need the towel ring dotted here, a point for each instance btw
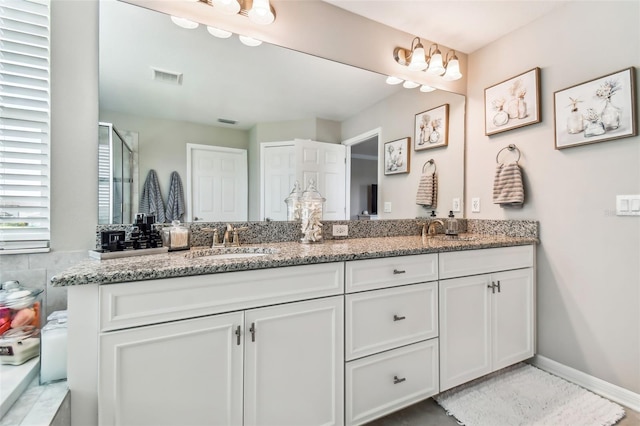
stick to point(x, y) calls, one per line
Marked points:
point(510, 147)
point(427, 163)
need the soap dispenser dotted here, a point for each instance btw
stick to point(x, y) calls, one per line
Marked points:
point(452, 225)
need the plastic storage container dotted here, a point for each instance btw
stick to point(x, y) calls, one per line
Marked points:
point(53, 348)
point(19, 323)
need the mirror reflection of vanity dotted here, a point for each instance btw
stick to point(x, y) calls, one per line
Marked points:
point(222, 79)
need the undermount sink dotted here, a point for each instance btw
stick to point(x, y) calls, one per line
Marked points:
point(230, 252)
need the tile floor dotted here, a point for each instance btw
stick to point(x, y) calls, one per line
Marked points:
point(429, 413)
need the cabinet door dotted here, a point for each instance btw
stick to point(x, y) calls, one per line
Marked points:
point(464, 330)
point(294, 364)
point(512, 317)
point(181, 373)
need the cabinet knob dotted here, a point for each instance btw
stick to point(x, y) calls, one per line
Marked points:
point(397, 380)
point(398, 271)
point(397, 318)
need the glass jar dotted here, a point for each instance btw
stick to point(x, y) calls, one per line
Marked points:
point(293, 202)
point(311, 214)
point(594, 128)
point(610, 116)
point(176, 236)
point(575, 122)
point(53, 348)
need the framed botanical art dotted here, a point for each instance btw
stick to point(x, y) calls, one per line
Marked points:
point(598, 110)
point(431, 128)
point(513, 103)
point(396, 156)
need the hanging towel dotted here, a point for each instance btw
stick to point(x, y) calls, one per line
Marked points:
point(508, 190)
point(151, 198)
point(175, 199)
point(428, 190)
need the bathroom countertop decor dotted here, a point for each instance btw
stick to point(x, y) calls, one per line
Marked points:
point(180, 264)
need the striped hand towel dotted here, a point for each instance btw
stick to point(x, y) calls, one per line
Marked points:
point(151, 198)
point(428, 191)
point(508, 190)
point(175, 199)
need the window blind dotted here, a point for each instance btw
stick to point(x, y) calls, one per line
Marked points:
point(24, 125)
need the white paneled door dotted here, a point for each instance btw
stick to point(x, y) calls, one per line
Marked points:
point(217, 185)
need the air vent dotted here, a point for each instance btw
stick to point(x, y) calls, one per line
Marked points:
point(226, 121)
point(167, 76)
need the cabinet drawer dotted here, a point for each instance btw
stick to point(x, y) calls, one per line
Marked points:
point(385, 319)
point(472, 262)
point(370, 274)
point(383, 383)
point(147, 302)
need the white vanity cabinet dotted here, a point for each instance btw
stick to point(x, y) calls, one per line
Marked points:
point(281, 364)
point(391, 330)
point(487, 313)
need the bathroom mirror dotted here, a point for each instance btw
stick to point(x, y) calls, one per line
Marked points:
point(169, 87)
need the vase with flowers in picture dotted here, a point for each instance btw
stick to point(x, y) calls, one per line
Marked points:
point(610, 114)
point(595, 126)
point(575, 121)
point(517, 107)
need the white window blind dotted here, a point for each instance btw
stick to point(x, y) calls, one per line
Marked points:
point(24, 125)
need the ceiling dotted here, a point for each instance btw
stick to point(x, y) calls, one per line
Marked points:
point(465, 26)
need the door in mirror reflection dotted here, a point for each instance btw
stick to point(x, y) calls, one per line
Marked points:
point(216, 184)
point(304, 161)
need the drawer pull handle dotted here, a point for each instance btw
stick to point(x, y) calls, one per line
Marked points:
point(492, 287)
point(398, 271)
point(397, 318)
point(238, 335)
point(397, 380)
point(498, 286)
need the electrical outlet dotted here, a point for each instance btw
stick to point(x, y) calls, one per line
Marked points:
point(387, 206)
point(340, 230)
point(456, 205)
point(475, 205)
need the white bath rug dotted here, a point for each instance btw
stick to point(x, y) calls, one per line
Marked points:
point(525, 395)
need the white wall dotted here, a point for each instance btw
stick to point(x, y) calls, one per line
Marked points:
point(588, 274)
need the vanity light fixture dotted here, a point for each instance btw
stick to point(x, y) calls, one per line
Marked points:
point(410, 84)
point(425, 88)
point(258, 11)
point(432, 62)
point(228, 7)
point(261, 12)
point(394, 80)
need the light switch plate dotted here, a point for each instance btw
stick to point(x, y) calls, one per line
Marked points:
point(475, 205)
point(340, 230)
point(628, 205)
point(455, 206)
point(387, 206)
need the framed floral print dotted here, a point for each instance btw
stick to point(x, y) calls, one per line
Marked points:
point(431, 128)
point(513, 103)
point(396, 156)
point(598, 110)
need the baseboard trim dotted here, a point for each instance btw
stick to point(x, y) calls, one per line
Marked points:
point(608, 390)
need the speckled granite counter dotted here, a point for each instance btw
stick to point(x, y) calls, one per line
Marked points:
point(178, 264)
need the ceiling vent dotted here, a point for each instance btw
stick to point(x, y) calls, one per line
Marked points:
point(226, 121)
point(167, 76)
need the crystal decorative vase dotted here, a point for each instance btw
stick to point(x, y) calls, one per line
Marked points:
point(575, 122)
point(610, 116)
point(594, 128)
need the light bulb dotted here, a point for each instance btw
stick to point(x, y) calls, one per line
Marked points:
point(249, 41)
point(184, 22)
point(394, 80)
point(260, 12)
point(217, 32)
point(435, 64)
point(418, 62)
point(228, 7)
point(453, 71)
point(410, 85)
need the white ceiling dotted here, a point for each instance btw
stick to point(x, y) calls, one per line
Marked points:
point(465, 26)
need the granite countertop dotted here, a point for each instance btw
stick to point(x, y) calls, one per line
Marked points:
point(186, 263)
